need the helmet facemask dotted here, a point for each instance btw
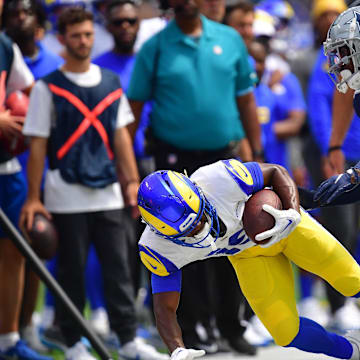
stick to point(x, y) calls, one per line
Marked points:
point(344, 63)
point(162, 200)
point(343, 53)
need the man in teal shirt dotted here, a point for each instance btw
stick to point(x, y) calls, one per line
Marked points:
point(200, 81)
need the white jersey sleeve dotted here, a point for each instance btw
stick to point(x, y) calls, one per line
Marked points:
point(20, 77)
point(40, 113)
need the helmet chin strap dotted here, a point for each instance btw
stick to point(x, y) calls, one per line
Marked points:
point(209, 239)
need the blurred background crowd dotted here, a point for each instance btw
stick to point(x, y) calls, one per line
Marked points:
point(188, 109)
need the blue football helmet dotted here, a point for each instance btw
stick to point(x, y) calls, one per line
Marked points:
point(172, 205)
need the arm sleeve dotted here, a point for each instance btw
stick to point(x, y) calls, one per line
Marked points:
point(41, 111)
point(125, 115)
point(257, 175)
point(20, 77)
point(171, 282)
point(248, 176)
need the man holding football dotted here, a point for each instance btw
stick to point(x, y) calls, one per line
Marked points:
point(191, 219)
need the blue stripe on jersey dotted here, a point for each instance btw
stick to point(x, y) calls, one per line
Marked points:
point(257, 175)
point(171, 282)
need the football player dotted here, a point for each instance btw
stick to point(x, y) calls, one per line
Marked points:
point(196, 218)
point(342, 49)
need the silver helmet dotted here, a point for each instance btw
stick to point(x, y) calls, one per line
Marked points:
point(342, 48)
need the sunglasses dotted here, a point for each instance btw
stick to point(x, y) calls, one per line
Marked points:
point(119, 22)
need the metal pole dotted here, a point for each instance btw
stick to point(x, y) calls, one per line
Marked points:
point(52, 284)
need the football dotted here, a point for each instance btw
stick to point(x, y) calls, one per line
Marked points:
point(43, 237)
point(255, 219)
point(18, 103)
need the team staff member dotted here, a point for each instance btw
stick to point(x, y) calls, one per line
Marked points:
point(83, 121)
point(191, 219)
point(14, 76)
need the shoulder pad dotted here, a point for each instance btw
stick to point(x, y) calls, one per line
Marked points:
point(156, 263)
point(239, 172)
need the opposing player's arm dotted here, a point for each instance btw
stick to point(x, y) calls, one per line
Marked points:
point(340, 189)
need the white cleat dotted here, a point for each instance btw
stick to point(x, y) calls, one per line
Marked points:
point(260, 329)
point(254, 338)
point(346, 318)
point(99, 321)
point(354, 338)
point(139, 350)
point(312, 309)
point(78, 352)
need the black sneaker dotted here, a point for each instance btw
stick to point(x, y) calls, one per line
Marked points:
point(194, 342)
point(240, 345)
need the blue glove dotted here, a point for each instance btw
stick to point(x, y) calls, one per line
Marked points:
point(333, 188)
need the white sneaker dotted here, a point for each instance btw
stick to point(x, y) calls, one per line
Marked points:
point(346, 318)
point(47, 317)
point(99, 321)
point(260, 329)
point(254, 338)
point(30, 334)
point(311, 308)
point(139, 350)
point(354, 337)
point(78, 352)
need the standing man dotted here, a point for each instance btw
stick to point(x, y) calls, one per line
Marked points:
point(197, 74)
point(82, 127)
point(210, 68)
point(123, 23)
point(24, 21)
point(14, 76)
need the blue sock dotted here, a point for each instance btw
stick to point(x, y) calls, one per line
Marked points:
point(312, 337)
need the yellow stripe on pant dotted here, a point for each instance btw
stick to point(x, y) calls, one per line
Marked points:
point(266, 279)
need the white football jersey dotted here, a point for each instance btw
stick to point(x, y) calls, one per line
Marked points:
point(227, 185)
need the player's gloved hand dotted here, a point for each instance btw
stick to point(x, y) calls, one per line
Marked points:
point(332, 188)
point(186, 354)
point(285, 223)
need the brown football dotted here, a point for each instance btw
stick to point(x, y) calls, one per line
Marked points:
point(43, 237)
point(255, 219)
point(18, 103)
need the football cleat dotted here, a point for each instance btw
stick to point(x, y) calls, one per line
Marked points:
point(354, 338)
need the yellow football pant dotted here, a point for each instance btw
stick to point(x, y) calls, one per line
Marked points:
point(266, 279)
